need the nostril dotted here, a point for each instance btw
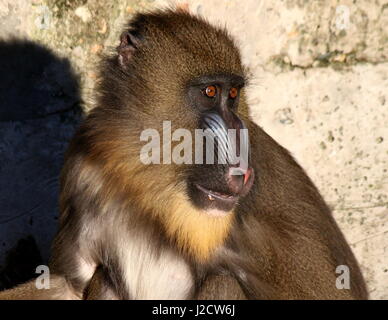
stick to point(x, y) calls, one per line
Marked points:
point(247, 175)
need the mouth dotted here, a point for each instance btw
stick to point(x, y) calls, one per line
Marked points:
point(224, 202)
point(219, 193)
point(215, 203)
point(214, 195)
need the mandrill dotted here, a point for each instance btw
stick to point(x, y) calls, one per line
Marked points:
point(252, 229)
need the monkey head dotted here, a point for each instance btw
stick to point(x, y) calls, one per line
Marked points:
point(175, 67)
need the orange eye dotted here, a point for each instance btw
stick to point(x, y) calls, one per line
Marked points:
point(233, 93)
point(211, 91)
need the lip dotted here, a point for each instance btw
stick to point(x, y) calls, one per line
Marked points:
point(212, 195)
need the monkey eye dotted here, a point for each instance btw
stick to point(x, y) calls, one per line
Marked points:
point(233, 92)
point(210, 91)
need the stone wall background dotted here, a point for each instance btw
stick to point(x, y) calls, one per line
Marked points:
point(319, 80)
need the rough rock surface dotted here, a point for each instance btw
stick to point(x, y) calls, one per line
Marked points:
point(319, 79)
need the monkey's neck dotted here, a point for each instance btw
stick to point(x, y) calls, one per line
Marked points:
point(195, 231)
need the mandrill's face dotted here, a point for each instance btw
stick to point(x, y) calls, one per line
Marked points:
point(206, 140)
point(221, 174)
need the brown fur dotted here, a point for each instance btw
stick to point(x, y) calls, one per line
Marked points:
point(221, 287)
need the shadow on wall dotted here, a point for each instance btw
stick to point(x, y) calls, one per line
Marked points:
point(39, 112)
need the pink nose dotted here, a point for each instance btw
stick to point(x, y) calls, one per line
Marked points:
point(237, 182)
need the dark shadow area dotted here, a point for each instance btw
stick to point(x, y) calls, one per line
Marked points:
point(39, 112)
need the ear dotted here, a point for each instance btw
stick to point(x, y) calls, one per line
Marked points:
point(129, 43)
